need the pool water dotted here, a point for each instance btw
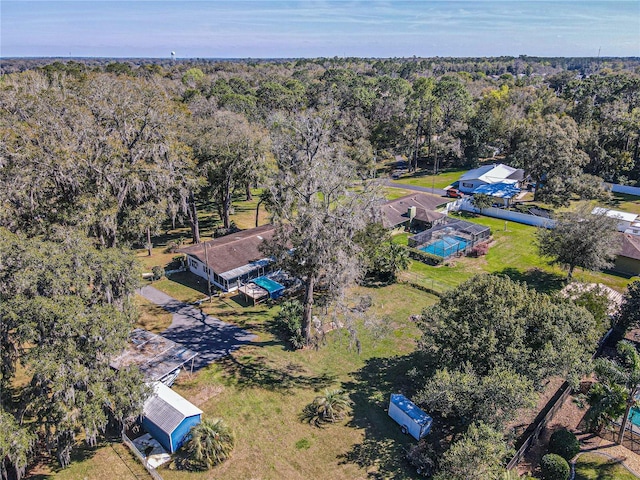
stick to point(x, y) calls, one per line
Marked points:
point(446, 246)
point(634, 416)
point(268, 284)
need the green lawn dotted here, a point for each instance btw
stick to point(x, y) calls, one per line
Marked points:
point(425, 178)
point(513, 253)
point(590, 466)
point(625, 203)
point(107, 461)
point(261, 390)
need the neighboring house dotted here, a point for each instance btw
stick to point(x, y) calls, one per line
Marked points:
point(416, 212)
point(627, 222)
point(490, 174)
point(232, 259)
point(499, 192)
point(628, 259)
point(168, 417)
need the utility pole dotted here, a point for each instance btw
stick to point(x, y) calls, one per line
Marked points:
point(206, 269)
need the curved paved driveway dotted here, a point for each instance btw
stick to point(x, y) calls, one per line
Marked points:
point(210, 337)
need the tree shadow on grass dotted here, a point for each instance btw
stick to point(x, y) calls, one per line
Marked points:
point(540, 280)
point(383, 451)
point(253, 372)
point(192, 281)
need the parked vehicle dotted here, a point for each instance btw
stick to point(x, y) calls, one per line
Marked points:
point(454, 193)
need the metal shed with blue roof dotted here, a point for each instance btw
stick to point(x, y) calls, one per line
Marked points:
point(168, 417)
point(411, 419)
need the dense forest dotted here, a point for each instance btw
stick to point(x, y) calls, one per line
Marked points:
point(91, 126)
point(97, 155)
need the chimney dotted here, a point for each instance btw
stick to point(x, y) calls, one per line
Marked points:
point(411, 212)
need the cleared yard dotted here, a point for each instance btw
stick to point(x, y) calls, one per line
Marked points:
point(261, 391)
point(597, 467)
point(108, 461)
point(425, 178)
point(512, 253)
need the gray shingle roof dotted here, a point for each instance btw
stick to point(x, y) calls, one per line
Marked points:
point(167, 409)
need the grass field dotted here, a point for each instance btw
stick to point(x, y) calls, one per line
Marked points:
point(261, 390)
point(425, 178)
point(512, 253)
point(590, 466)
point(107, 461)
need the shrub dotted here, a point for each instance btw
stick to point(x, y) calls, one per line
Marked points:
point(424, 257)
point(423, 457)
point(327, 408)
point(158, 272)
point(554, 467)
point(221, 231)
point(564, 443)
point(210, 443)
point(173, 245)
point(479, 250)
point(289, 321)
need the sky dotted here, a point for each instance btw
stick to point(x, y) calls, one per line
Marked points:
point(306, 28)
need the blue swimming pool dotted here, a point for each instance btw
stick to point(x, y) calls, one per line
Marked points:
point(634, 416)
point(446, 246)
point(274, 288)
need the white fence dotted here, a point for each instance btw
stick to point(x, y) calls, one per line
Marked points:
point(615, 188)
point(518, 217)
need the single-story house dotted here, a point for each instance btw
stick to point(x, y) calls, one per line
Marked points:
point(415, 211)
point(230, 260)
point(628, 259)
point(499, 192)
point(626, 221)
point(168, 417)
point(490, 174)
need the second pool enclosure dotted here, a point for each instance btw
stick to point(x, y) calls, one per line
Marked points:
point(451, 238)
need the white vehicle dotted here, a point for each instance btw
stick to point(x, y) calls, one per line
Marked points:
point(411, 419)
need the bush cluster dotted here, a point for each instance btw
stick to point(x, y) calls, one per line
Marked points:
point(479, 250)
point(289, 321)
point(564, 443)
point(424, 257)
point(554, 467)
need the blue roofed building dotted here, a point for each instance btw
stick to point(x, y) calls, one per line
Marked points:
point(500, 192)
point(489, 174)
point(168, 417)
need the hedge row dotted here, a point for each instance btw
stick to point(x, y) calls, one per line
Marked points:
point(424, 257)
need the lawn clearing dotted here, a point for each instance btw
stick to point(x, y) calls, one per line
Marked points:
point(425, 178)
point(513, 253)
point(625, 203)
point(151, 317)
point(391, 193)
point(590, 466)
point(261, 390)
point(107, 461)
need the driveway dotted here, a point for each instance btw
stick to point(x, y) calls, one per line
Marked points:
point(210, 337)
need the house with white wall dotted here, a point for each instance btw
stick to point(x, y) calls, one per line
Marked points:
point(231, 260)
point(488, 175)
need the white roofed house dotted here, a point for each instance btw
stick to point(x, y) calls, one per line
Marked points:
point(627, 222)
point(168, 417)
point(488, 175)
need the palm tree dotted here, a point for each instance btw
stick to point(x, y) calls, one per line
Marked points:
point(625, 373)
point(327, 408)
point(211, 443)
